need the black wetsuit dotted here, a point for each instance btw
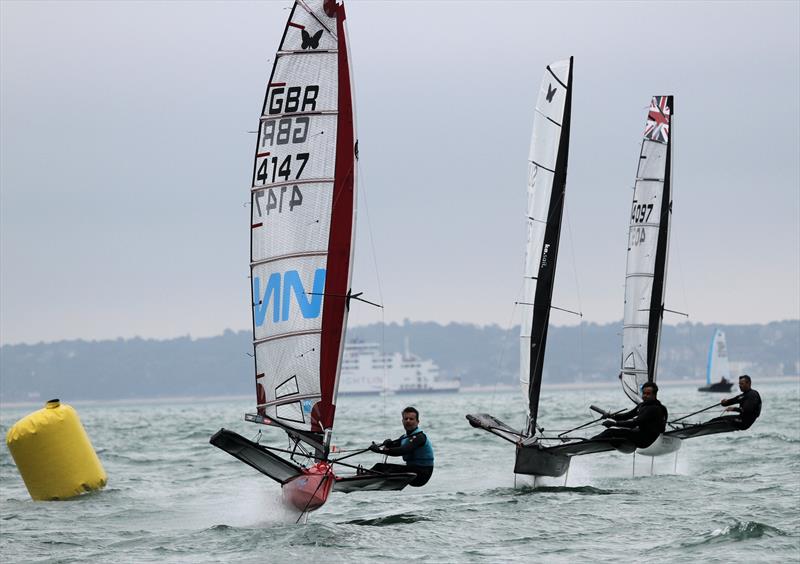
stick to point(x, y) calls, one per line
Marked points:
point(641, 425)
point(748, 411)
point(395, 448)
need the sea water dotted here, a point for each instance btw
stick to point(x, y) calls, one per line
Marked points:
point(172, 497)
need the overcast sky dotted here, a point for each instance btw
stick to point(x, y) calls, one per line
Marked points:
point(125, 158)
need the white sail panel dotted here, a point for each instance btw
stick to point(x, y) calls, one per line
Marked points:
point(545, 140)
point(302, 82)
point(302, 195)
point(540, 182)
point(287, 296)
point(291, 148)
point(288, 134)
point(310, 28)
point(647, 250)
point(718, 364)
point(286, 377)
point(290, 218)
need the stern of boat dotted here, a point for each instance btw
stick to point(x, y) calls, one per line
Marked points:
point(537, 461)
point(664, 444)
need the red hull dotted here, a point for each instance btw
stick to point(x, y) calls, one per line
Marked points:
point(310, 490)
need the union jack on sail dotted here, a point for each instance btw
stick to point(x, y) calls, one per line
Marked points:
point(657, 128)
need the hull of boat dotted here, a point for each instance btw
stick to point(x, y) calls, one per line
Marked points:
point(718, 387)
point(402, 391)
point(310, 490)
point(664, 444)
point(536, 461)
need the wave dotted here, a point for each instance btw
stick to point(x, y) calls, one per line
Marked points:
point(529, 490)
point(738, 531)
point(778, 437)
point(398, 519)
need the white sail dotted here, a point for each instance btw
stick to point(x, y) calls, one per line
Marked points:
point(303, 190)
point(648, 243)
point(546, 179)
point(718, 365)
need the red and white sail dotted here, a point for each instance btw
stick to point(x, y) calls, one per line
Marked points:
point(302, 220)
point(648, 248)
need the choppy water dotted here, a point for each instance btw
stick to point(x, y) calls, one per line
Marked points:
point(172, 497)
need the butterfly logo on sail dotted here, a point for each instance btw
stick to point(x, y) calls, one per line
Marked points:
point(657, 127)
point(310, 41)
point(550, 92)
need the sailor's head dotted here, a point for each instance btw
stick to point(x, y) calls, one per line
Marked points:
point(744, 382)
point(410, 418)
point(649, 391)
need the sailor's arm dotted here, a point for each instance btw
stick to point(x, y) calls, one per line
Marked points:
point(732, 401)
point(646, 414)
point(624, 416)
point(388, 443)
point(413, 443)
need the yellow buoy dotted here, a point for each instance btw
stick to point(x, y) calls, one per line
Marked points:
point(54, 455)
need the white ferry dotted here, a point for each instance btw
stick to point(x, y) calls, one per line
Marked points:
point(365, 371)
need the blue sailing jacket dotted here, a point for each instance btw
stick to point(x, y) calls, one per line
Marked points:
point(422, 456)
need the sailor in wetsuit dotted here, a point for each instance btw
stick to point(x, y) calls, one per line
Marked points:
point(641, 425)
point(413, 446)
point(749, 406)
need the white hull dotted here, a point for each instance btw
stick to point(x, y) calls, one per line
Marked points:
point(662, 445)
point(367, 371)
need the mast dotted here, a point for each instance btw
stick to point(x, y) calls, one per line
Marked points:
point(547, 178)
point(302, 221)
point(648, 249)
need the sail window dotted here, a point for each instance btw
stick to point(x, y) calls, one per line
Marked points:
point(287, 388)
point(290, 412)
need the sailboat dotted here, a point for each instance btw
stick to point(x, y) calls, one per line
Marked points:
point(645, 279)
point(648, 251)
point(648, 245)
point(718, 366)
point(542, 455)
point(303, 209)
point(547, 177)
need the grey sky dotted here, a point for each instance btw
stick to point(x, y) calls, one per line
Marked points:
point(125, 158)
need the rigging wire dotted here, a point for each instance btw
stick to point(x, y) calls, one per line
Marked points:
point(676, 246)
point(581, 359)
point(504, 347)
point(363, 192)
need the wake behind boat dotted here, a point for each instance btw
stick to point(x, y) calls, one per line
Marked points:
point(302, 227)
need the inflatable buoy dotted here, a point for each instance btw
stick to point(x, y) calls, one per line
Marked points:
point(53, 453)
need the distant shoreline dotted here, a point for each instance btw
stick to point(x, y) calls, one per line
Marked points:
point(611, 384)
point(465, 389)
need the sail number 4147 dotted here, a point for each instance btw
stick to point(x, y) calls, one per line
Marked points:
point(273, 169)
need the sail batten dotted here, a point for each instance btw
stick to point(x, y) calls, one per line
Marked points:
point(648, 247)
point(302, 214)
point(546, 184)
